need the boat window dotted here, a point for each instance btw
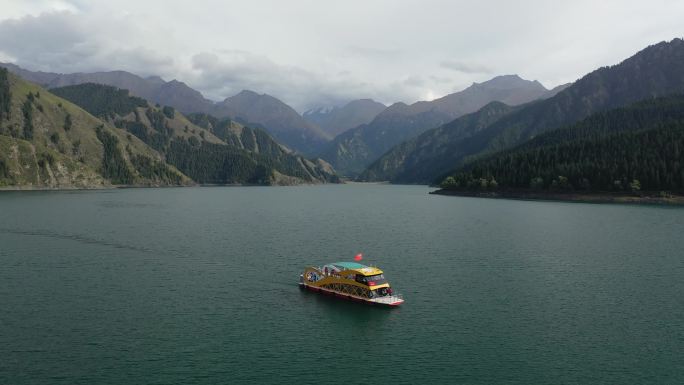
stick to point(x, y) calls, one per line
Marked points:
point(375, 278)
point(371, 280)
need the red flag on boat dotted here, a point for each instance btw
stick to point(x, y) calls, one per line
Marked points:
point(358, 257)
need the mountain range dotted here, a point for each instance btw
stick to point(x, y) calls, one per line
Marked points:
point(356, 145)
point(84, 133)
point(173, 93)
point(352, 151)
point(336, 120)
point(92, 135)
point(281, 120)
point(658, 70)
point(247, 107)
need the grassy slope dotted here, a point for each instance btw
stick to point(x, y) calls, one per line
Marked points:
point(288, 168)
point(178, 125)
point(75, 156)
point(252, 144)
point(75, 159)
point(203, 148)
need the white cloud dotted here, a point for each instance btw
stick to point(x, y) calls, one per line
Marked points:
point(68, 42)
point(468, 68)
point(309, 52)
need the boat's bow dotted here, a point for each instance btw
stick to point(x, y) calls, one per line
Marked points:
point(390, 300)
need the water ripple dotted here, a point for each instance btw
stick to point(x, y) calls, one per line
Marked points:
point(76, 238)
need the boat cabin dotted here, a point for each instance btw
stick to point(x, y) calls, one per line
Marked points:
point(369, 276)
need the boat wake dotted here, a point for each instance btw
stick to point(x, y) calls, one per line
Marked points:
point(76, 238)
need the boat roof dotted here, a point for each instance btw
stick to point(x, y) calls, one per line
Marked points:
point(349, 265)
point(359, 268)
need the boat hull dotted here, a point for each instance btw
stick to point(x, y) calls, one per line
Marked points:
point(381, 301)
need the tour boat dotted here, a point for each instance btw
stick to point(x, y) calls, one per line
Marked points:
point(350, 280)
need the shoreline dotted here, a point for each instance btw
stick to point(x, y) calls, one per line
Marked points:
point(648, 198)
point(88, 188)
point(117, 187)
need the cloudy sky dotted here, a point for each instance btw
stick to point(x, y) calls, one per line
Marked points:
point(322, 52)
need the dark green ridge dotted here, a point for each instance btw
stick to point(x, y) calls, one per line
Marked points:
point(640, 147)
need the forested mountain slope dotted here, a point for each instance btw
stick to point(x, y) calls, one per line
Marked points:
point(48, 142)
point(239, 155)
point(640, 147)
point(424, 158)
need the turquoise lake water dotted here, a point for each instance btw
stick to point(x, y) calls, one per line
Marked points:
point(199, 286)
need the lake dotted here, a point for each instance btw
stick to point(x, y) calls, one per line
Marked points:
point(199, 286)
